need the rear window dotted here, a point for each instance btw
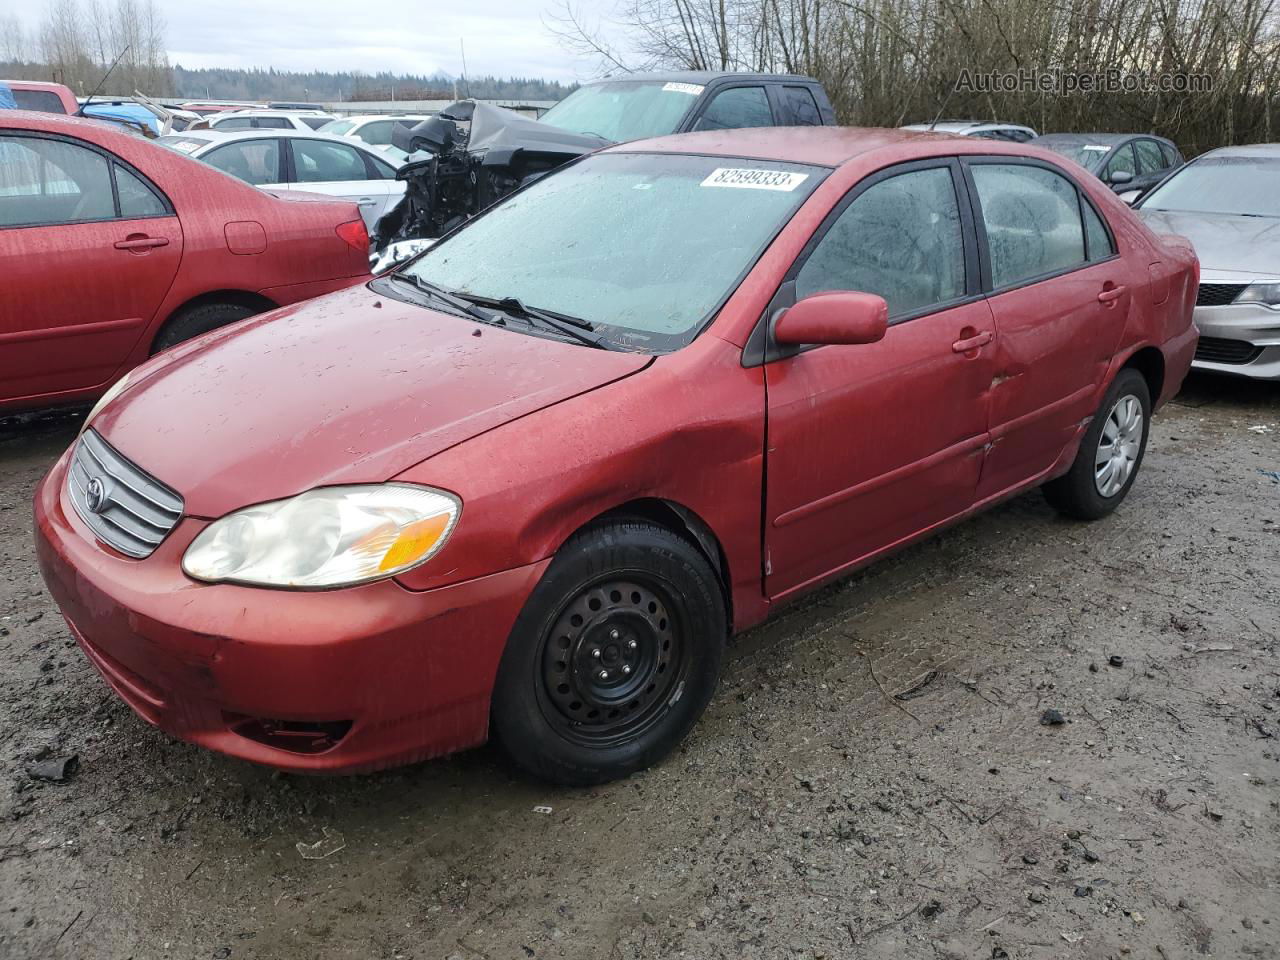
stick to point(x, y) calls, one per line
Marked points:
point(43, 100)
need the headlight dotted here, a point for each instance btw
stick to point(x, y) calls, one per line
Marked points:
point(327, 537)
point(1267, 294)
point(112, 392)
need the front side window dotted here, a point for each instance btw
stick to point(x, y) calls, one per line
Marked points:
point(1032, 218)
point(900, 239)
point(315, 161)
point(1240, 185)
point(1150, 160)
point(1122, 161)
point(52, 181)
point(234, 123)
point(378, 132)
point(735, 108)
point(253, 161)
point(645, 246)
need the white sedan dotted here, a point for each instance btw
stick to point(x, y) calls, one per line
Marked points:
point(292, 160)
point(303, 120)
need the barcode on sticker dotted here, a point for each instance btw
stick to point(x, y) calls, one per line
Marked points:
point(693, 89)
point(754, 179)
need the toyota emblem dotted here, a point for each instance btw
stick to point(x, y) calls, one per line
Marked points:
point(96, 495)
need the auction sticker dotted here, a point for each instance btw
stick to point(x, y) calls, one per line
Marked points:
point(693, 89)
point(754, 179)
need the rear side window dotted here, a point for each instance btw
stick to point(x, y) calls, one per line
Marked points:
point(1098, 243)
point(735, 108)
point(900, 238)
point(377, 133)
point(136, 198)
point(41, 100)
point(253, 161)
point(272, 123)
point(1150, 159)
point(233, 123)
point(802, 107)
point(1171, 158)
point(52, 181)
point(315, 161)
point(1032, 216)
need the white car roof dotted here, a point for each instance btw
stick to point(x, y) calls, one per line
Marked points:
point(218, 138)
point(963, 127)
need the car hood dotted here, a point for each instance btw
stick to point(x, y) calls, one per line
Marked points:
point(1224, 243)
point(349, 388)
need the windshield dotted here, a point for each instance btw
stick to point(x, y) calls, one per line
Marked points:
point(1087, 155)
point(1248, 186)
point(624, 110)
point(644, 246)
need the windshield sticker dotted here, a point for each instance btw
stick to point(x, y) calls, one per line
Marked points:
point(754, 179)
point(1097, 148)
point(693, 89)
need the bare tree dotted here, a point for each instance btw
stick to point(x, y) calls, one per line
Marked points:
point(13, 40)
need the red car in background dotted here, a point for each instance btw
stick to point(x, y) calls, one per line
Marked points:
point(530, 481)
point(113, 248)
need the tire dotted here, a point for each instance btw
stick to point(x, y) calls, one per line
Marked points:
point(199, 319)
point(614, 657)
point(1089, 490)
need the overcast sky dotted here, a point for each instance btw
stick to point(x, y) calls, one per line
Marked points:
point(503, 37)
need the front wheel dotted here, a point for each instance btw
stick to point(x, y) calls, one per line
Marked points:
point(1110, 452)
point(614, 657)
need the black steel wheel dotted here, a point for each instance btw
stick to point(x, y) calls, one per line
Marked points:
point(614, 657)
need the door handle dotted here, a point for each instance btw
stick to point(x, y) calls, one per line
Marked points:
point(1110, 293)
point(365, 202)
point(141, 243)
point(973, 342)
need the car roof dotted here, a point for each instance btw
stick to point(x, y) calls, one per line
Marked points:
point(702, 77)
point(1101, 139)
point(957, 126)
point(1247, 150)
point(34, 85)
point(823, 146)
point(271, 113)
point(230, 136)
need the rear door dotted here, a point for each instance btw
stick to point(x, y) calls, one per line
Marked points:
point(869, 445)
point(88, 249)
point(259, 161)
point(341, 170)
point(1060, 296)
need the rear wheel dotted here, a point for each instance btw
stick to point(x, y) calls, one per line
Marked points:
point(199, 319)
point(614, 657)
point(1110, 453)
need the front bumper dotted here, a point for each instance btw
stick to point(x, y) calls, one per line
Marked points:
point(403, 675)
point(1238, 324)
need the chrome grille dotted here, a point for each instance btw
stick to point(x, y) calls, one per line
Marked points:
point(124, 506)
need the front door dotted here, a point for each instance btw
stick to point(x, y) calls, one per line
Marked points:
point(869, 445)
point(88, 250)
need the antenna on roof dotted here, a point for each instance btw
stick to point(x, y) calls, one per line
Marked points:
point(945, 101)
point(466, 81)
point(98, 88)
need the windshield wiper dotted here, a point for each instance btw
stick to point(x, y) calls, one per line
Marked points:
point(575, 327)
point(444, 296)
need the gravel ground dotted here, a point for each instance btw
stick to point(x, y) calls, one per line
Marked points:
point(873, 778)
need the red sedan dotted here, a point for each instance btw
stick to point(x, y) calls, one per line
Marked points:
point(530, 482)
point(113, 248)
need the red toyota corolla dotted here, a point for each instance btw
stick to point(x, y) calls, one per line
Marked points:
point(112, 248)
point(530, 482)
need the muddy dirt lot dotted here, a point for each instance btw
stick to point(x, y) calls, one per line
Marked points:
point(872, 780)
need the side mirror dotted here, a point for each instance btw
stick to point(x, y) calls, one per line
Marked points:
point(1119, 176)
point(838, 316)
point(1130, 196)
